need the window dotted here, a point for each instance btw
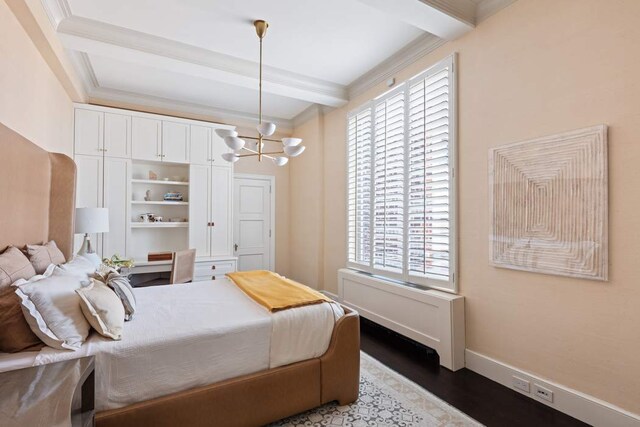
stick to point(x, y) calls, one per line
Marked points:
point(401, 199)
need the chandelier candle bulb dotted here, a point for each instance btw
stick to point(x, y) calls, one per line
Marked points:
point(265, 129)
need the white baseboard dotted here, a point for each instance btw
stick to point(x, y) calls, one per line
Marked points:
point(586, 408)
point(331, 295)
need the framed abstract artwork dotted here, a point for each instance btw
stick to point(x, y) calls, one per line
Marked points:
point(549, 204)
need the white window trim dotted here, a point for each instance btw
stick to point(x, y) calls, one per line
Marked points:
point(452, 284)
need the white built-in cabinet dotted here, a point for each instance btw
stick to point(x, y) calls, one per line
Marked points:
point(98, 133)
point(115, 150)
point(211, 230)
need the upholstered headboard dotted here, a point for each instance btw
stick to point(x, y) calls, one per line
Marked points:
point(37, 194)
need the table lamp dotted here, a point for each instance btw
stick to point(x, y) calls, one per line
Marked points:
point(91, 220)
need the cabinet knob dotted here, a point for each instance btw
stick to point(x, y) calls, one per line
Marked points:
point(213, 277)
point(213, 267)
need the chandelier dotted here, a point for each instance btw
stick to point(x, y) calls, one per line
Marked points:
point(290, 146)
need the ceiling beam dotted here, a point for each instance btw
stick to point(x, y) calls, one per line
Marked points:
point(447, 19)
point(99, 38)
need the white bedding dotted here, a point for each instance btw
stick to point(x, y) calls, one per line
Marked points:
point(185, 336)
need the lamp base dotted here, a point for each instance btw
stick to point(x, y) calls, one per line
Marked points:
point(87, 251)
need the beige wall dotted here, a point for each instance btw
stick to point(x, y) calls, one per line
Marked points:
point(33, 102)
point(307, 203)
point(536, 68)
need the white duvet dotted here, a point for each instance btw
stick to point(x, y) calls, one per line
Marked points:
point(185, 336)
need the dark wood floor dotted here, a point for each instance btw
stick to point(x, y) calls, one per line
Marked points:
point(482, 399)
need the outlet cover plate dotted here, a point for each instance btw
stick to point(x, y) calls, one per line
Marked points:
point(543, 393)
point(520, 384)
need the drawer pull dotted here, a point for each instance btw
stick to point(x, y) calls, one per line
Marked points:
point(213, 277)
point(213, 267)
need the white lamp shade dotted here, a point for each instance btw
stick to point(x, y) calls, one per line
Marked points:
point(234, 142)
point(294, 151)
point(230, 157)
point(223, 133)
point(92, 220)
point(291, 142)
point(266, 128)
point(280, 160)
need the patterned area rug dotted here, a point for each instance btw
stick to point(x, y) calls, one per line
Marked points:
point(386, 399)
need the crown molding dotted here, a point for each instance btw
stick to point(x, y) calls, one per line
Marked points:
point(488, 8)
point(108, 40)
point(57, 11)
point(409, 54)
point(307, 114)
point(106, 96)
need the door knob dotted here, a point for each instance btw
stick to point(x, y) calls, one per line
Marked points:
point(235, 247)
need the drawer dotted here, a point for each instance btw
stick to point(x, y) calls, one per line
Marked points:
point(208, 270)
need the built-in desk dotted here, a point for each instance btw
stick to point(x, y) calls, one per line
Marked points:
point(206, 268)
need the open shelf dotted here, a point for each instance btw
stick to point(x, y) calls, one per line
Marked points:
point(158, 202)
point(159, 182)
point(159, 224)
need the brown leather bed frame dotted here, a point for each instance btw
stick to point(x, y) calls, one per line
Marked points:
point(38, 191)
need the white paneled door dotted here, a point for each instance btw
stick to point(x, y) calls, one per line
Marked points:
point(253, 227)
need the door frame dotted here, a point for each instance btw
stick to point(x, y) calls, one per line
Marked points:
point(272, 214)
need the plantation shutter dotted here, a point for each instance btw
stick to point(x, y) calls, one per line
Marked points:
point(388, 184)
point(359, 188)
point(428, 219)
point(401, 196)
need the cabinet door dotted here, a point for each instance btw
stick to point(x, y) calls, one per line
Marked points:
point(175, 142)
point(199, 196)
point(88, 137)
point(221, 210)
point(117, 135)
point(89, 193)
point(217, 148)
point(200, 141)
point(145, 138)
point(116, 199)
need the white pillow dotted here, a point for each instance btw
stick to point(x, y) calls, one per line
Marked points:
point(102, 309)
point(79, 266)
point(52, 308)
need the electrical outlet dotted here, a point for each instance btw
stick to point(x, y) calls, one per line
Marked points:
point(520, 384)
point(543, 393)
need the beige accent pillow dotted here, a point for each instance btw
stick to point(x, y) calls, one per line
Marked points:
point(102, 309)
point(42, 256)
point(14, 266)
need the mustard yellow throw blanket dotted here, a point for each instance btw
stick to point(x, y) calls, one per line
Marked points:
point(274, 291)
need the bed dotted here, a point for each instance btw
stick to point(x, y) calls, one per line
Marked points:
point(214, 358)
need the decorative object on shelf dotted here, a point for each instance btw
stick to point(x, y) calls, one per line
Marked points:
point(176, 178)
point(173, 197)
point(153, 176)
point(91, 220)
point(147, 196)
point(116, 262)
point(291, 146)
point(147, 217)
point(549, 204)
point(157, 218)
point(177, 219)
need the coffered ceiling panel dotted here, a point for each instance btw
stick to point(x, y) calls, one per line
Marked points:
point(202, 55)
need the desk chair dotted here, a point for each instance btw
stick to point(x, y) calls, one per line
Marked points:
point(183, 266)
